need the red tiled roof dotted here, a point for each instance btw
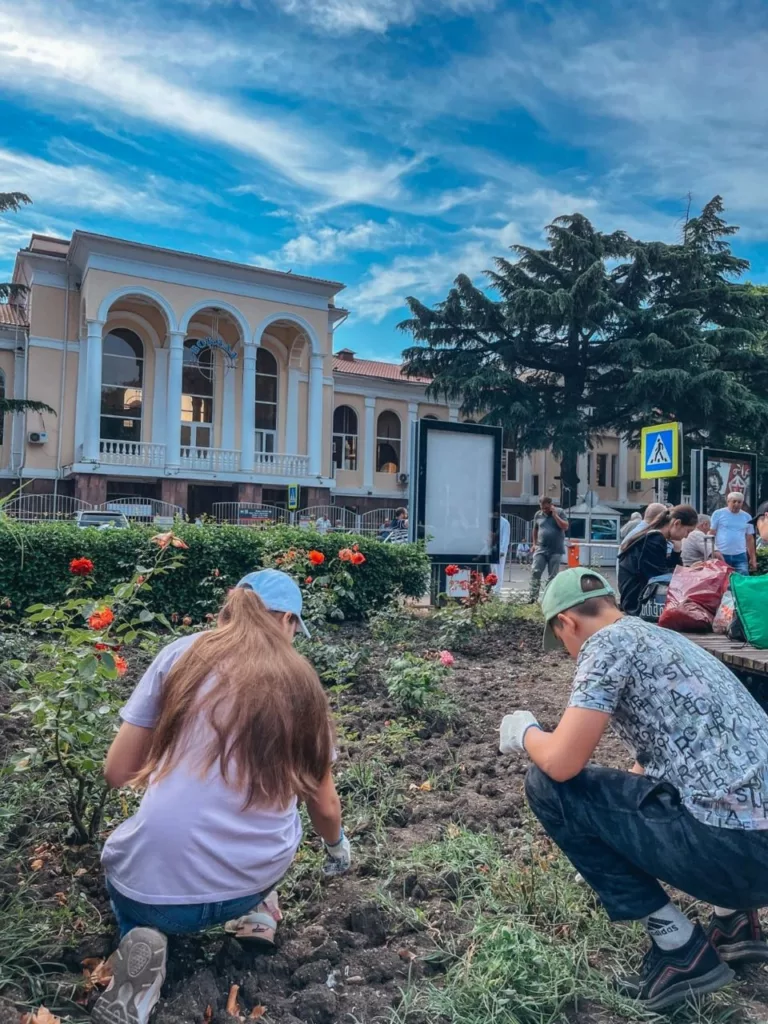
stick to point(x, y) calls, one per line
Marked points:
point(374, 368)
point(12, 315)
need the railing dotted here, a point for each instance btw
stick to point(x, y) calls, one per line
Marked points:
point(341, 519)
point(31, 508)
point(372, 523)
point(131, 453)
point(247, 513)
point(281, 465)
point(218, 460)
point(143, 510)
point(519, 529)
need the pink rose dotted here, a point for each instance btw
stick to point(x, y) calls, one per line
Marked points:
point(446, 658)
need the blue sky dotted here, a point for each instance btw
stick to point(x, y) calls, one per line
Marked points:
point(389, 144)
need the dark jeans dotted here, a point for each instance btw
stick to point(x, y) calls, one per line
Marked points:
point(623, 832)
point(177, 919)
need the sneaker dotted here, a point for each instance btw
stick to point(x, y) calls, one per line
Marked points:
point(138, 975)
point(670, 976)
point(258, 926)
point(738, 938)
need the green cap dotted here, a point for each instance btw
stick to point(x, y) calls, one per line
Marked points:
point(564, 592)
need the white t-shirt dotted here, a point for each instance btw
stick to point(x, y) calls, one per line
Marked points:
point(191, 841)
point(731, 531)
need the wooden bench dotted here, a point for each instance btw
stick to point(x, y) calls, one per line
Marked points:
point(749, 663)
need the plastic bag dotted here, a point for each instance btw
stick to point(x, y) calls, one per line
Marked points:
point(654, 597)
point(724, 616)
point(694, 595)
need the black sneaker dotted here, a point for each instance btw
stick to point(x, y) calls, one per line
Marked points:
point(738, 938)
point(670, 976)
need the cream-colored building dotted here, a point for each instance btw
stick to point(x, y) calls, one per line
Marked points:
point(195, 381)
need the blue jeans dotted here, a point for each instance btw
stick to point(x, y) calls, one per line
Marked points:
point(738, 562)
point(623, 832)
point(177, 919)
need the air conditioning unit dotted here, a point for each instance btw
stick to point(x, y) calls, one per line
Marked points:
point(402, 479)
point(636, 485)
point(37, 437)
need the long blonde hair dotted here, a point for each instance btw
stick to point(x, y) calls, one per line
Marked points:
point(272, 731)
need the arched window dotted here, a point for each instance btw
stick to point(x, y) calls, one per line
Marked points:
point(2, 395)
point(388, 443)
point(266, 401)
point(198, 375)
point(345, 438)
point(122, 386)
point(431, 417)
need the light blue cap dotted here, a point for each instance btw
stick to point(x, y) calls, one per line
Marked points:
point(278, 591)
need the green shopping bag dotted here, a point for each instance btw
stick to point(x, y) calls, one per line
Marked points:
point(750, 594)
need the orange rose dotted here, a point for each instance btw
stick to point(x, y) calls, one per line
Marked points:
point(316, 557)
point(346, 554)
point(101, 619)
point(121, 665)
point(358, 558)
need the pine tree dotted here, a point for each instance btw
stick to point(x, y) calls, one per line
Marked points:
point(12, 201)
point(599, 332)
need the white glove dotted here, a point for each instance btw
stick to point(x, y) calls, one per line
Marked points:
point(338, 857)
point(513, 730)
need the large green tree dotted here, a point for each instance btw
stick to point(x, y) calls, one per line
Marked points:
point(12, 201)
point(599, 332)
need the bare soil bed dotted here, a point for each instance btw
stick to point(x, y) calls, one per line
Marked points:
point(444, 848)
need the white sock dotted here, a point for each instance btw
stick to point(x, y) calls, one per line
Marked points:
point(723, 912)
point(669, 928)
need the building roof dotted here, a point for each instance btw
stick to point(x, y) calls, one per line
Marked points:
point(12, 315)
point(346, 361)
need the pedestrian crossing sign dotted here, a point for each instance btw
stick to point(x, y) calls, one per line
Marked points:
point(660, 451)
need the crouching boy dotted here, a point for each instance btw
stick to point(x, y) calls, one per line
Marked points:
point(692, 813)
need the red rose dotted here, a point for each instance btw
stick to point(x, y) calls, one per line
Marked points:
point(81, 567)
point(121, 665)
point(316, 557)
point(101, 619)
point(491, 579)
point(452, 570)
point(308, 579)
point(358, 558)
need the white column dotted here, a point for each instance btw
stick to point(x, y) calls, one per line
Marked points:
point(453, 414)
point(369, 455)
point(81, 403)
point(19, 420)
point(248, 409)
point(94, 348)
point(406, 456)
point(581, 469)
point(622, 468)
point(173, 411)
point(228, 409)
point(527, 483)
point(292, 413)
point(315, 420)
point(160, 396)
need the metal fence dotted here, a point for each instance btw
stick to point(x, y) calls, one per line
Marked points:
point(33, 508)
point(143, 510)
point(372, 522)
point(520, 529)
point(248, 513)
point(340, 518)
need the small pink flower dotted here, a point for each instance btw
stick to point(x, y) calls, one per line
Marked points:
point(446, 658)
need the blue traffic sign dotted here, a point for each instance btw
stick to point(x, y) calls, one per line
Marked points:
point(660, 451)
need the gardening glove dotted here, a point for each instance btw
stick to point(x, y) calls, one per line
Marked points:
point(513, 730)
point(338, 857)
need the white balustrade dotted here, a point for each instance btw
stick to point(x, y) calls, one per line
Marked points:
point(217, 460)
point(131, 453)
point(281, 465)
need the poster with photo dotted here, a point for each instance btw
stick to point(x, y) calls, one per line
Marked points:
point(724, 472)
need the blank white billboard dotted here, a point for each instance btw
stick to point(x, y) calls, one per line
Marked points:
point(459, 493)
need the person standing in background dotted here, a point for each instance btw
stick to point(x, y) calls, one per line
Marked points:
point(735, 534)
point(760, 523)
point(549, 529)
point(505, 535)
point(634, 520)
point(698, 546)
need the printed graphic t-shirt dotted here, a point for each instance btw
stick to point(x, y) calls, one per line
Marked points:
point(191, 841)
point(550, 538)
point(684, 716)
point(731, 530)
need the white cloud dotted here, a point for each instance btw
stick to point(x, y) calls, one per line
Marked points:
point(375, 15)
point(83, 65)
point(81, 187)
point(328, 244)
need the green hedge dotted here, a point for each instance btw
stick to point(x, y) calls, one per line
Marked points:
point(34, 564)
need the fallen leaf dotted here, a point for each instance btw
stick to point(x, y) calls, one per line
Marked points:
point(80, 872)
point(37, 864)
point(257, 1012)
point(232, 1008)
point(208, 1013)
point(61, 898)
point(425, 787)
point(406, 954)
point(41, 1016)
point(101, 975)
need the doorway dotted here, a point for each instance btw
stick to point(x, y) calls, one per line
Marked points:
point(202, 498)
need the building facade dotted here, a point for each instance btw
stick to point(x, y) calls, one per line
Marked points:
point(196, 381)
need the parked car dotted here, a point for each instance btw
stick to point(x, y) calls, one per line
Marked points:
point(101, 520)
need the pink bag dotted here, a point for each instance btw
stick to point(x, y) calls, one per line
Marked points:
point(694, 596)
point(725, 613)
